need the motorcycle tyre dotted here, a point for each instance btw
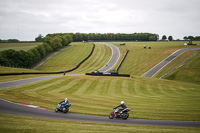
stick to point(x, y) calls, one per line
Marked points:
point(111, 116)
point(56, 110)
point(125, 116)
point(65, 110)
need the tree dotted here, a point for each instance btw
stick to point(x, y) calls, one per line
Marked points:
point(170, 38)
point(47, 39)
point(152, 38)
point(191, 38)
point(13, 40)
point(185, 38)
point(42, 50)
point(56, 42)
point(164, 37)
point(40, 38)
point(197, 38)
point(47, 47)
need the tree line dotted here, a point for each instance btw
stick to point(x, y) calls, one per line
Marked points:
point(192, 38)
point(27, 59)
point(9, 41)
point(77, 37)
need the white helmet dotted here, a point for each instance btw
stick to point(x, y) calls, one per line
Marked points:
point(66, 99)
point(122, 102)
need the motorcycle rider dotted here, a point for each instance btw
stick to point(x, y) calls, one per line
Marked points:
point(64, 101)
point(121, 105)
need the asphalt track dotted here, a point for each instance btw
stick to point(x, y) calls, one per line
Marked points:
point(163, 63)
point(16, 109)
point(7, 107)
point(113, 60)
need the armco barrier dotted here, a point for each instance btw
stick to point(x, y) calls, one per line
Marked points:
point(25, 73)
point(122, 61)
point(108, 74)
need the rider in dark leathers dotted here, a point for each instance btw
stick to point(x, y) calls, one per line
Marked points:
point(64, 101)
point(121, 105)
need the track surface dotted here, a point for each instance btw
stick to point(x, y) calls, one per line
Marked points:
point(163, 63)
point(16, 109)
point(7, 107)
point(113, 60)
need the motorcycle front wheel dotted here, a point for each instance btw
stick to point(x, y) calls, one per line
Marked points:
point(56, 110)
point(111, 116)
point(125, 115)
point(65, 110)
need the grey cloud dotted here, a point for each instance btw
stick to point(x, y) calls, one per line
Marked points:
point(24, 19)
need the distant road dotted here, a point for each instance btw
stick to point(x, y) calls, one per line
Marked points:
point(163, 63)
point(113, 60)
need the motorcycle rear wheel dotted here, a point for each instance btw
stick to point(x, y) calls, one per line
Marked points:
point(125, 116)
point(111, 116)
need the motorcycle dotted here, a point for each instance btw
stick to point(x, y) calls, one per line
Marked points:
point(63, 108)
point(120, 113)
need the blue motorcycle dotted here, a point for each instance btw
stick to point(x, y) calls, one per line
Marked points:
point(63, 108)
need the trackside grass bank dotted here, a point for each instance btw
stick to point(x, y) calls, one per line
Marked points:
point(189, 72)
point(149, 98)
point(68, 58)
point(140, 60)
point(13, 123)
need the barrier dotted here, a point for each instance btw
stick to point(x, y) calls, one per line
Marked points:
point(122, 61)
point(107, 74)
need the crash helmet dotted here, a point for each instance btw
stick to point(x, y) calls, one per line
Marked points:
point(66, 99)
point(122, 102)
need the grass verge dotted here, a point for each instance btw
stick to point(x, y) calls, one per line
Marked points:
point(15, 124)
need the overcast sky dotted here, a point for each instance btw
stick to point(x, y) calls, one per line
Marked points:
point(26, 19)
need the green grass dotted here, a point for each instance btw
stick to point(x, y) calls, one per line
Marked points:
point(175, 63)
point(17, 77)
point(71, 57)
point(68, 58)
point(14, 70)
point(189, 72)
point(140, 60)
point(99, 58)
point(149, 98)
point(22, 124)
point(18, 46)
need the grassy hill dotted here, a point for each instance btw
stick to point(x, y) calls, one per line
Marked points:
point(140, 60)
point(189, 72)
point(18, 46)
point(71, 57)
point(149, 98)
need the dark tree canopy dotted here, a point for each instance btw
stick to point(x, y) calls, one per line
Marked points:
point(170, 38)
point(77, 37)
point(164, 37)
